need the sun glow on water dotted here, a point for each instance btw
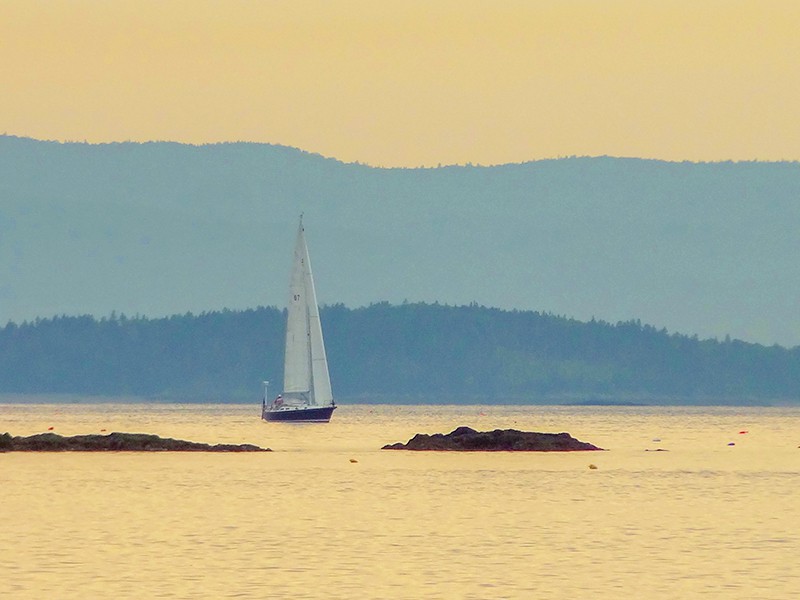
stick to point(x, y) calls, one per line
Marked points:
point(330, 515)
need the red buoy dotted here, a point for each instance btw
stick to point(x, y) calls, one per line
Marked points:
point(49, 429)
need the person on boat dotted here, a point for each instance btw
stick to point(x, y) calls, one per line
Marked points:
point(278, 401)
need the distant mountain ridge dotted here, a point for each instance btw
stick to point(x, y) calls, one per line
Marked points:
point(161, 228)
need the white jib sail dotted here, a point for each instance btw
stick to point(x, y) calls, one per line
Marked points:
point(320, 378)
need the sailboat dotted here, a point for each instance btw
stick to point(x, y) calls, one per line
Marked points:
point(307, 395)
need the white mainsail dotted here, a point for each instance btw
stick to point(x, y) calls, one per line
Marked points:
point(305, 372)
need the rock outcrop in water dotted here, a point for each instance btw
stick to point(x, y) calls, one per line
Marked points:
point(113, 442)
point(466, 439)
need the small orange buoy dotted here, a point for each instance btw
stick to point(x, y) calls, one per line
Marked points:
point(102, 430)
point(743, 431)
point(49, 429)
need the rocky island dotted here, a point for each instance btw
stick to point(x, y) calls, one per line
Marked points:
point(113, 442)
point(466, 439)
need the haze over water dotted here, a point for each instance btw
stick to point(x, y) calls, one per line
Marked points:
point(704, 519)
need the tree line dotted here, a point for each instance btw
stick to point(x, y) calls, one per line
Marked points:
point(412, 352)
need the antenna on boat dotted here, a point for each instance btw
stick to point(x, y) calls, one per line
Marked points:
point(264, 401)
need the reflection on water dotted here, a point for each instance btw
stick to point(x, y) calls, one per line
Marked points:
point(702, 519)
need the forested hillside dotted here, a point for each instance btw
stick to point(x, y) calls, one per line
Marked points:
point(401, 353)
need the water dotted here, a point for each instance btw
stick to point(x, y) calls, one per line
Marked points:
point(703, 520)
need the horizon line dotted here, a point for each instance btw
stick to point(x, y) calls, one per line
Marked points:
point(439, 165)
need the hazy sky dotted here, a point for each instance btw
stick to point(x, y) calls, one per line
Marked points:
point(411, 82)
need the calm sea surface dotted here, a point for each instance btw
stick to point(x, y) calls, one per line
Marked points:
point(703, 520)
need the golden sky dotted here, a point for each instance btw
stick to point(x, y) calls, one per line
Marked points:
point(407, 82)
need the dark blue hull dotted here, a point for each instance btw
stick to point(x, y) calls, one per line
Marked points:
point(316, 414)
